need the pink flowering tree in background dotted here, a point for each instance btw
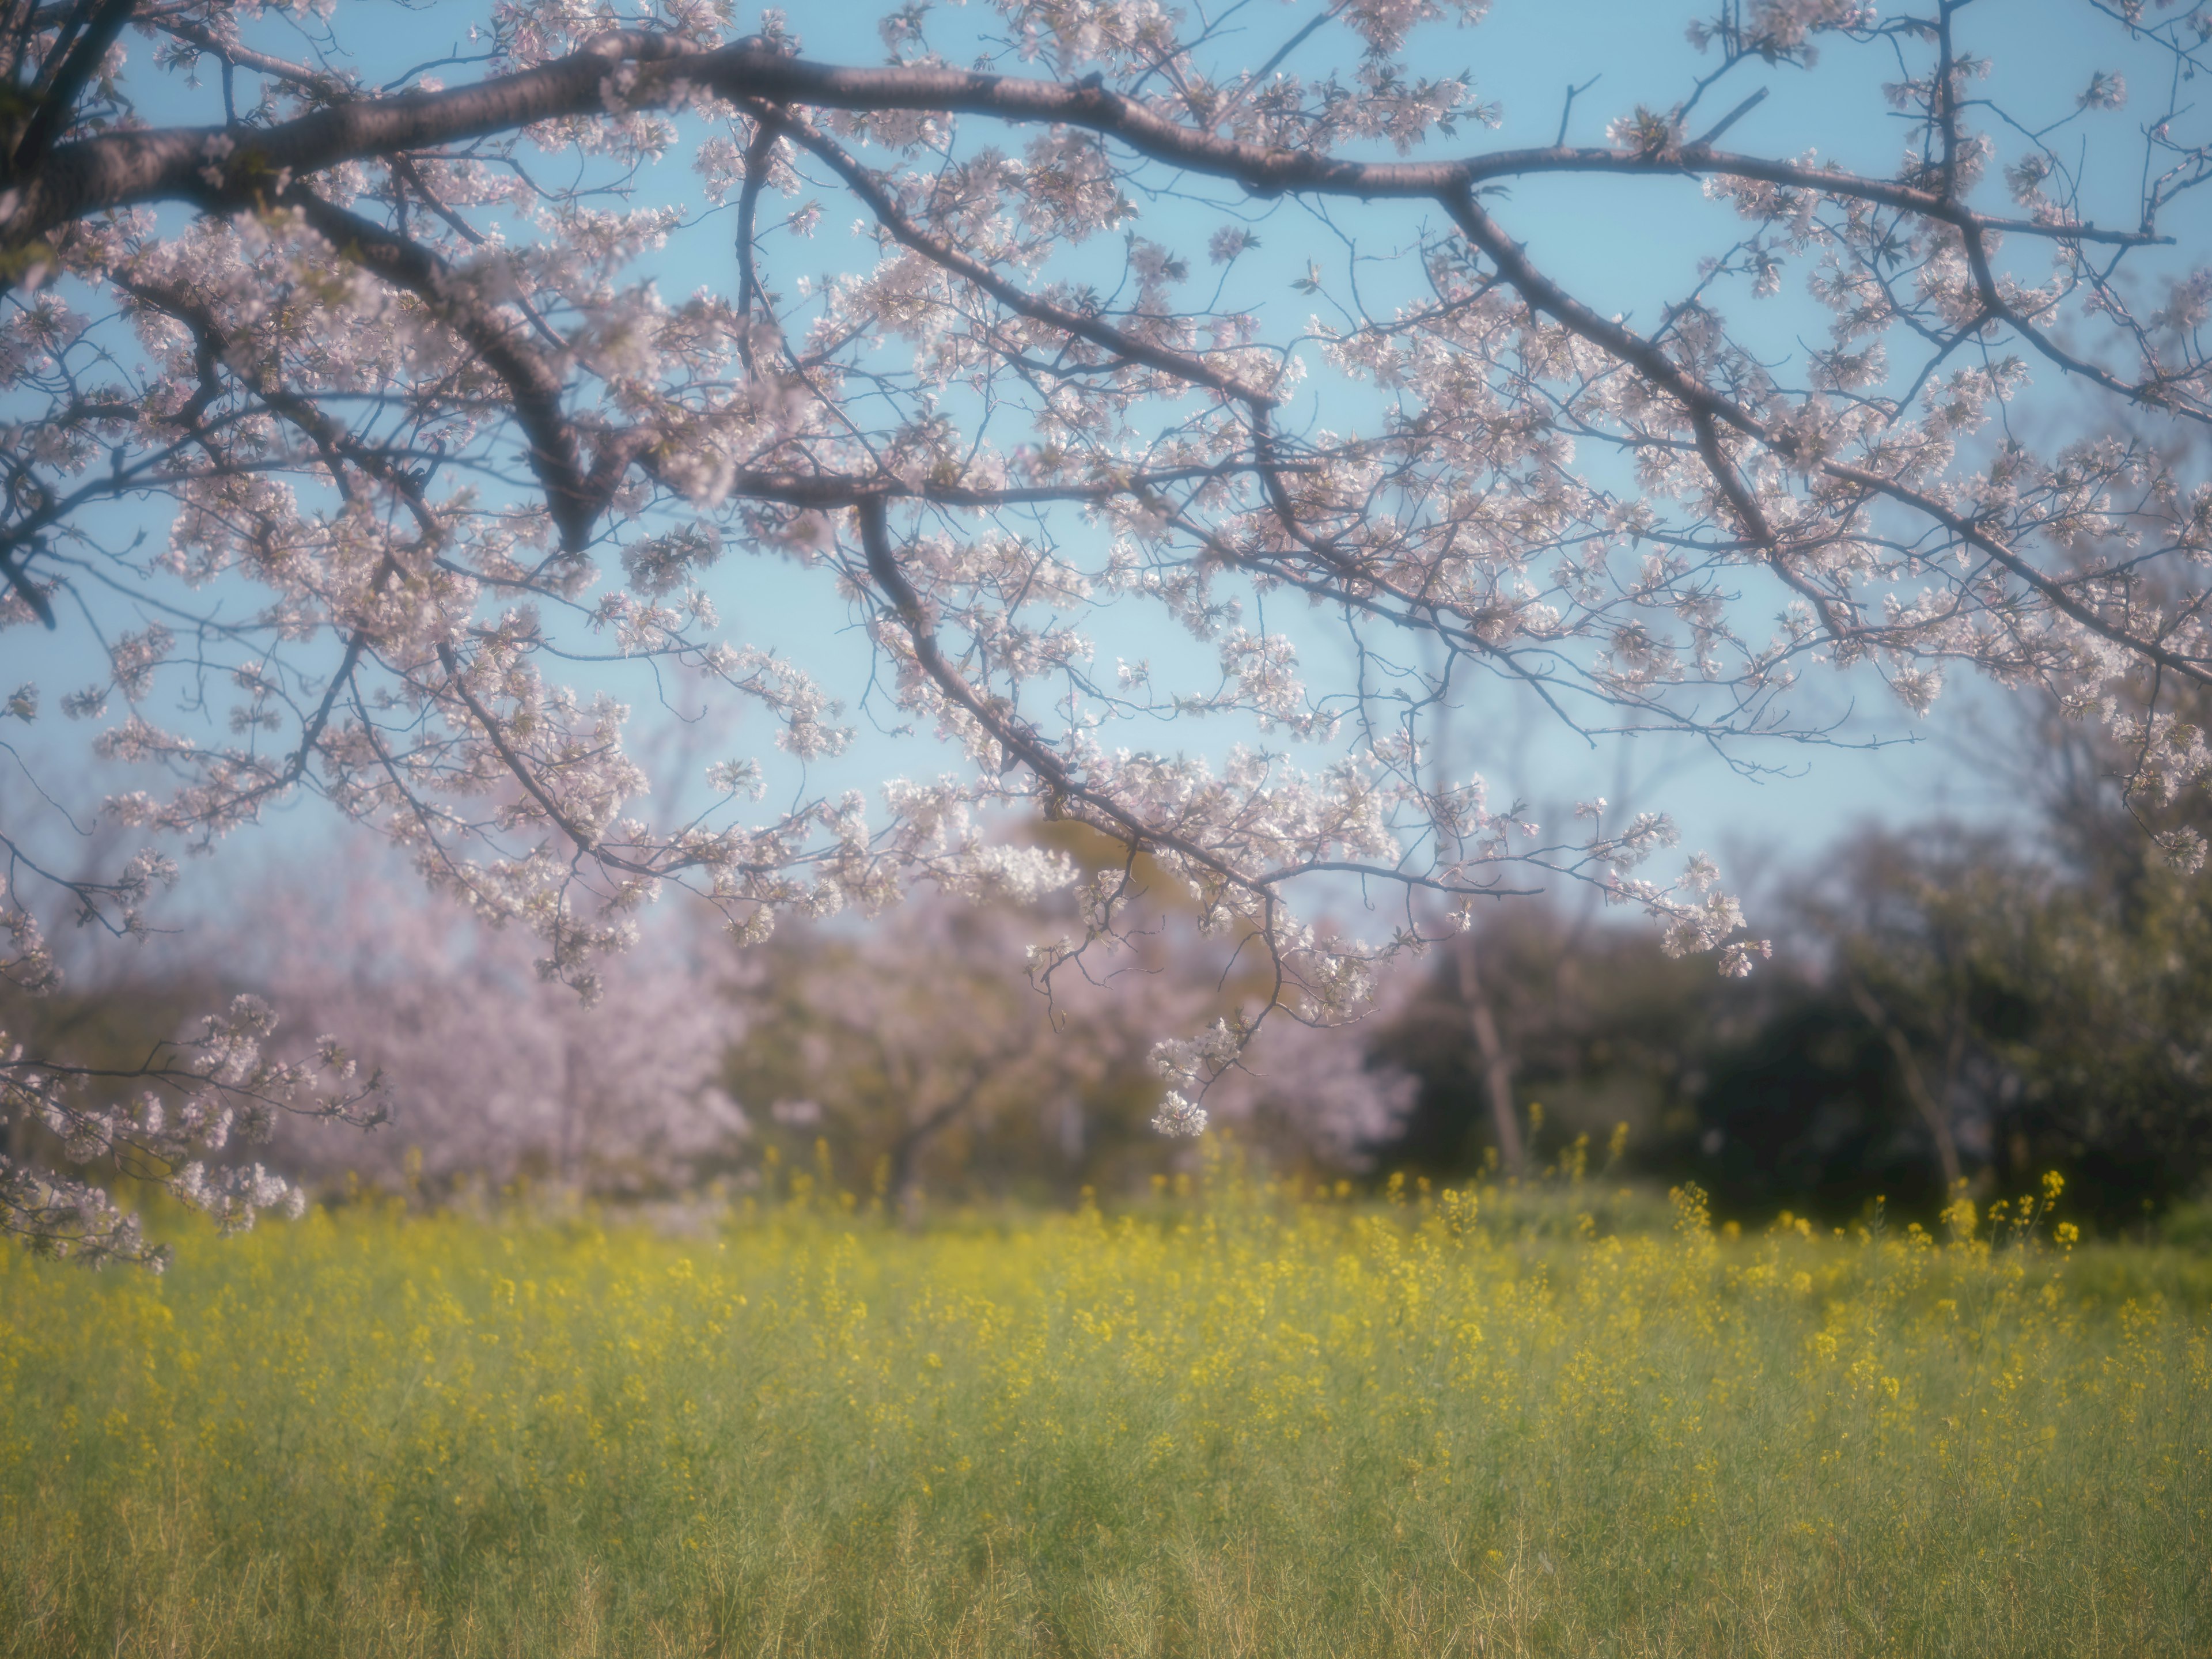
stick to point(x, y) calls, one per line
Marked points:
point(351, 446)
point(917, 1047)
point(490, 1072)
point(919, 1052)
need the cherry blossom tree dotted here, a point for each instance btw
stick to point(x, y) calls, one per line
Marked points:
point(490, 1072)
point(349, 434)
point(920, 1051)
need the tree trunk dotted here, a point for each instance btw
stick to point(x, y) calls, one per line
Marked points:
point(1933, 1112)
point(571, 1152)
point(1496, 1065)
point(906, 1158)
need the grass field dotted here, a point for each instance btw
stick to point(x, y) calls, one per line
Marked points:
point(1246, 1427)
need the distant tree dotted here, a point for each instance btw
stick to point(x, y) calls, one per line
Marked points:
point(1952, 1005)
point(925, 1056)
point(490, 1070)
point(1592, 1023)
point(2032, 1015)
point(379, 367)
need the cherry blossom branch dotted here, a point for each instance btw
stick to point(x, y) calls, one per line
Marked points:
point(494, 732)
point(57, 100)
point(1180, 365)
point(573, 497)
point(356, 407)
point(1700, 401)
point(320, 82)
point(118, 170)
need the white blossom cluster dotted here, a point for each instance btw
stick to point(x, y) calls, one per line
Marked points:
point(426, 439)
point(194, 1100)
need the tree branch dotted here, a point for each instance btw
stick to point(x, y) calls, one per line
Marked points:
point(51, 118)
point(1180, 365)
point(574, 499)
point(119, 169)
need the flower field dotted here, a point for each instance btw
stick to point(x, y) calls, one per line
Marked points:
point(1434, 1426)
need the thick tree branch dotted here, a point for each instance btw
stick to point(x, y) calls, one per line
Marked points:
point(574, 498)
point(26, 589)
point(58, 102)
point(118, 169)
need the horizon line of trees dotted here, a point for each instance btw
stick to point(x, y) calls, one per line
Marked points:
point(1946, 1004)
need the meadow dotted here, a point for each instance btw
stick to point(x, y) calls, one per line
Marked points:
point(1443, 1425)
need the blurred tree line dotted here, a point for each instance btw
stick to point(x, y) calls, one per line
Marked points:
point(1945, 1004)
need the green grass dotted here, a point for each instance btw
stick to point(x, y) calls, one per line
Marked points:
point(1249, 1428)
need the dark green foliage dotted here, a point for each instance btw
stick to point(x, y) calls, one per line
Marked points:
point(1933, 985)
